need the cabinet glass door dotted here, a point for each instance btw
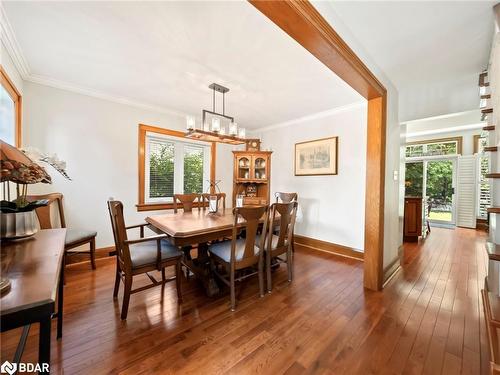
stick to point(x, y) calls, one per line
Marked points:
point(260, 168)
point(243, 168)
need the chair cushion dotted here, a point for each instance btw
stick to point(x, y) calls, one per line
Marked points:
point(223, 250)
point(77, 235)
point(144, 254)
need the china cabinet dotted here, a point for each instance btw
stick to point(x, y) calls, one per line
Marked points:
point(251, 177)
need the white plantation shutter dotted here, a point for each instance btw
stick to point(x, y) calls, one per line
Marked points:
point(466, 191)
point(484, 189)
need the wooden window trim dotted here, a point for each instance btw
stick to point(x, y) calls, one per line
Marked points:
point(459, 141)
point(475, 147)
point(14, 93)
point(143, 129)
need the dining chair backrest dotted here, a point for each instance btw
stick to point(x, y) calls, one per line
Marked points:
point(252, 217)
point(282, 197)
point(44, 213)
point(287, 215)
point(221, 197)
point(187, 201)
point(120, 234)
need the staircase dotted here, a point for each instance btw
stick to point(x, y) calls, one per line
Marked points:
point(486, 106)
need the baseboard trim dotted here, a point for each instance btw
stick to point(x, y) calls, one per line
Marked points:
point(328, 247)
point(393, 267)
point(102, 252)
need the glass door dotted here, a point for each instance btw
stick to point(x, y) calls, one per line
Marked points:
point(414, 179)
point(433, 179)
point(440, 190)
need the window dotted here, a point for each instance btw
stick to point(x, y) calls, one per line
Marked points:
point(171, 164)
point(483, 190)
point(10, 111)
point(434, 147)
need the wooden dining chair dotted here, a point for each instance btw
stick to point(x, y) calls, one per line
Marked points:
point(140, 256)
point(240, 254)
point(188, 201)
point(74, 237)
point(281, 243)
point(282, 197)
point(221, 197)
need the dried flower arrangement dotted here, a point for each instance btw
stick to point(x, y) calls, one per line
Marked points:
point(22, 168)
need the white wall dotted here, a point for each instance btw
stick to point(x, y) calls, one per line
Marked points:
point(10, 69)
point(333, 206)
point(99, 141)
point(393, 204)
point(438, 97)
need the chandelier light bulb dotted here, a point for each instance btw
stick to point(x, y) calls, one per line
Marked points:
point(215, 124)
point(190, 122)
point(233, 129)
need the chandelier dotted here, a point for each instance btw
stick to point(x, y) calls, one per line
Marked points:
point(215, 126)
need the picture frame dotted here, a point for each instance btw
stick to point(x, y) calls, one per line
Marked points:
point(318, 157)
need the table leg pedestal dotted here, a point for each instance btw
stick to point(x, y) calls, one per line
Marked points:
point(200, 266)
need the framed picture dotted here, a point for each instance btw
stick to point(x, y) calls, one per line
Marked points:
point(318, 157)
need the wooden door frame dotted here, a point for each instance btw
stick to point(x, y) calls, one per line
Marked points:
point(300, 20)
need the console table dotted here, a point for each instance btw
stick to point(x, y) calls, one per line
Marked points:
point(35, 269)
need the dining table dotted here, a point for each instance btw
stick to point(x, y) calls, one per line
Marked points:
point(197, 227)
point(34, 267)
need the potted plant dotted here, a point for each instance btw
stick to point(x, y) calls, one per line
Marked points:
point(18, 218)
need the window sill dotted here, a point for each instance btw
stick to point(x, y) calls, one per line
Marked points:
point(154, 206)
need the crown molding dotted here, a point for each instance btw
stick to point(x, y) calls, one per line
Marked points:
point(47, 81)
point(313, 116)
point(446, 130)
point(13, 48)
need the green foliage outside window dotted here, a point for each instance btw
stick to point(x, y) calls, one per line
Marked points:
point(161, 170)
point(414, 179)
point(193, 171)
point(429, 149)
point(440, 181)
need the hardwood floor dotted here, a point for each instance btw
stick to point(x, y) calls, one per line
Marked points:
point(428, 320)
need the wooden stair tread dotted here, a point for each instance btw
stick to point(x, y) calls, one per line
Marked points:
point(492, 175)
point(491, 148)
point(493, 210)
point(489, 127)
point(493, 250)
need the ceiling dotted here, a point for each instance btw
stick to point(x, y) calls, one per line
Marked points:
point(431, 51)
point(165, 54)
